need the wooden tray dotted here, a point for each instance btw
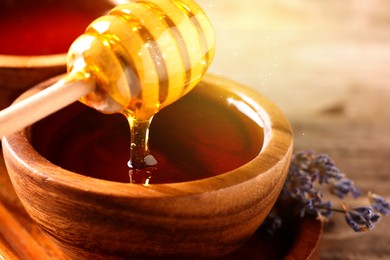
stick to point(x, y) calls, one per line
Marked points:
point(21, 238)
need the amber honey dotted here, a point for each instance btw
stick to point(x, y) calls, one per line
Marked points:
point(194, 138)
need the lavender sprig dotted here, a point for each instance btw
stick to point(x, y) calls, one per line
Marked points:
point(310, 174)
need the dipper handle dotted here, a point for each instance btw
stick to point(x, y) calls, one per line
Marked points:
point(42, 104)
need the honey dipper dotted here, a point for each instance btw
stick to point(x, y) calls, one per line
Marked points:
point(137, 59)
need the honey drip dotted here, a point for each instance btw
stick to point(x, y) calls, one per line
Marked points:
point(140, 156)
point(143, 55)
point(139, 151)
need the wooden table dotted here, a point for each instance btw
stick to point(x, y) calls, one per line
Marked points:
point(326, 64)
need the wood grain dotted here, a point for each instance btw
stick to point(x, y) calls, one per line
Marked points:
point(298, 238)
point(20, 237)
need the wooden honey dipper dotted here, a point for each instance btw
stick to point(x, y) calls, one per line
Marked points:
point(137, 59)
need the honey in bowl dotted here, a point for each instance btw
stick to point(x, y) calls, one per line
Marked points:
point(194, 138)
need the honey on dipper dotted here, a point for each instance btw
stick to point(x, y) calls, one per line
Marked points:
point(143, 55)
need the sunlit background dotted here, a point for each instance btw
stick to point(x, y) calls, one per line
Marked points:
point(305, 55)
point(325, 63)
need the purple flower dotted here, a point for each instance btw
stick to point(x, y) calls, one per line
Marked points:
point(379, 203)
point(343, 187)
point(315, 206)
point(324, 210)
point(361, 218)
point(325, 168)
point(309, 173)
point(306, 206)
point(298, 184)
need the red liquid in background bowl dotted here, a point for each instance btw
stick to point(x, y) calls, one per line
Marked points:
point(44, 27)
point(194, 138)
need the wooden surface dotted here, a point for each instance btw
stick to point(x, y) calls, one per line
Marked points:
point(326, 64)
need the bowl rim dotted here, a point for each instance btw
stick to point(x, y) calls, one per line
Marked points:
point(277, 148)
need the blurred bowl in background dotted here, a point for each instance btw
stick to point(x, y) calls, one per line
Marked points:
point(35, 37)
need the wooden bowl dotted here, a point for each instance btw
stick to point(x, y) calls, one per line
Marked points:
point(29, 53)
point(211, 217)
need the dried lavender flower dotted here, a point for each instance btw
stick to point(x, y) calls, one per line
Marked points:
point(379, 203)
point(361, 218)
point(326, 169)
point(306, 170)
point(342, 187)
point(309, 173)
